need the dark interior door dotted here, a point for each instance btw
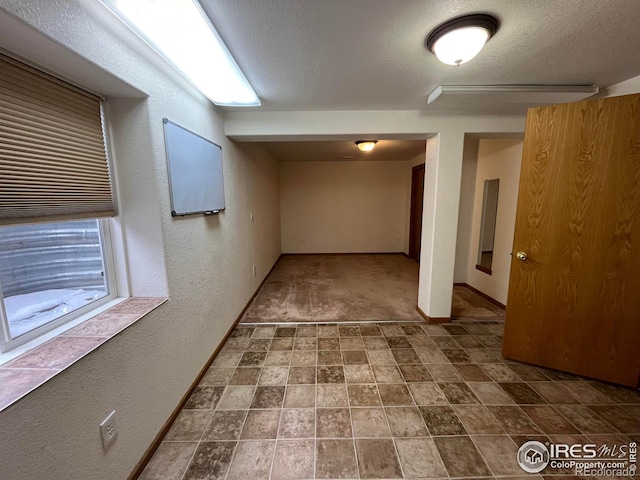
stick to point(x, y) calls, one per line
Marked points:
point(415, 222)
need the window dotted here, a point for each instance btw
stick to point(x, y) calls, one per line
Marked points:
point(55, 195)
point(51, 273)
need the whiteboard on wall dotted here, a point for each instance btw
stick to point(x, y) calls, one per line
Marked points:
point(195, 171)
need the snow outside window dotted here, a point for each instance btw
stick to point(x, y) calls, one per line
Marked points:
point(50, 273)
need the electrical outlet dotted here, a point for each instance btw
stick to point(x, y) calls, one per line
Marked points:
point(108, 430)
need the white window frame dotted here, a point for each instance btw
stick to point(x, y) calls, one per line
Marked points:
point(7, 343)
point(115, 270)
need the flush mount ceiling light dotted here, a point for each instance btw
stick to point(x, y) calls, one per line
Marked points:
point(366, 145)
point(460, 39)
point(181, 32)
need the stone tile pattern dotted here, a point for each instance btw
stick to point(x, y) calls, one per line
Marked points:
point(28, 371)
point(380, 400)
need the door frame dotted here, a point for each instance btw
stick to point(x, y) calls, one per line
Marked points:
point(415, 216)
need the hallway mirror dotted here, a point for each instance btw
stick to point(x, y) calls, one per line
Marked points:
point(488, 225)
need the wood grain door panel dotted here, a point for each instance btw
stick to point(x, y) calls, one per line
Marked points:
point(574, 304)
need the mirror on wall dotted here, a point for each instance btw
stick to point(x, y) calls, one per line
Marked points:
point(488, 225)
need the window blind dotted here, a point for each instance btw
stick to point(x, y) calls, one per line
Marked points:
point(53, 162)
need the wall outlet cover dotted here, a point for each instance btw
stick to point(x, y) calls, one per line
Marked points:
point(108, 430)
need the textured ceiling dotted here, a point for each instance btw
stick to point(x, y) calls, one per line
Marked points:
point(385, 150)
point(370, 54)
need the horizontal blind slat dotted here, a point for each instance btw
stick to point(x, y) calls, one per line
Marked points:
point(43, 142)
point(9, 166)
point(16, 110)
point(18, 185)
point(57, 137)
point(58, 184)
point(52, 158)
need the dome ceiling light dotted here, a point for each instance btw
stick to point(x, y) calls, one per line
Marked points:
point(366, 145)
point(460, 39)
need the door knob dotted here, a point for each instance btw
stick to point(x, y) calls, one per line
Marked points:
point(522, 256)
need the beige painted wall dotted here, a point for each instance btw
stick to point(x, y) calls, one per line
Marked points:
point(446, 134)
point(343, 207)
point(204, 263)
point(497, 158)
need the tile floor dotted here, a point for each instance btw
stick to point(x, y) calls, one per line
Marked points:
point(385, 400)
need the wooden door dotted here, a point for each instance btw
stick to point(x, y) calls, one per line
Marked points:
point(415, 218)
point(574, 302)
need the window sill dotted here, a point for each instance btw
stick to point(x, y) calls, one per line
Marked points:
point(28, 371)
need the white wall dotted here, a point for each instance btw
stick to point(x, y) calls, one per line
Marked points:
point(443, 174)
point(204, 263)
point(255, 125)
point(632, 85)
point(497, 158)
point(342, 207)
point(465, 210)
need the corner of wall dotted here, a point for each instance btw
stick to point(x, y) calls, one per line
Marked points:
point(465, 211)
point(138, 197)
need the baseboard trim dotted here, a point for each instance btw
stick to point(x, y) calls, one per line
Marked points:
point(429, 319)
point(482, 294)
point(345, 253)
point(137, 471)
point(325, 322)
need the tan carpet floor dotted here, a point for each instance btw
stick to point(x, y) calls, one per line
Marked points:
point(348, 288)
point(468, 305)
point(338, 288)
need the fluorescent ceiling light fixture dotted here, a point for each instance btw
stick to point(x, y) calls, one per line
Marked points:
point(459, 40)
point(366, 145)
point(523, 94)
point(181, 32)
